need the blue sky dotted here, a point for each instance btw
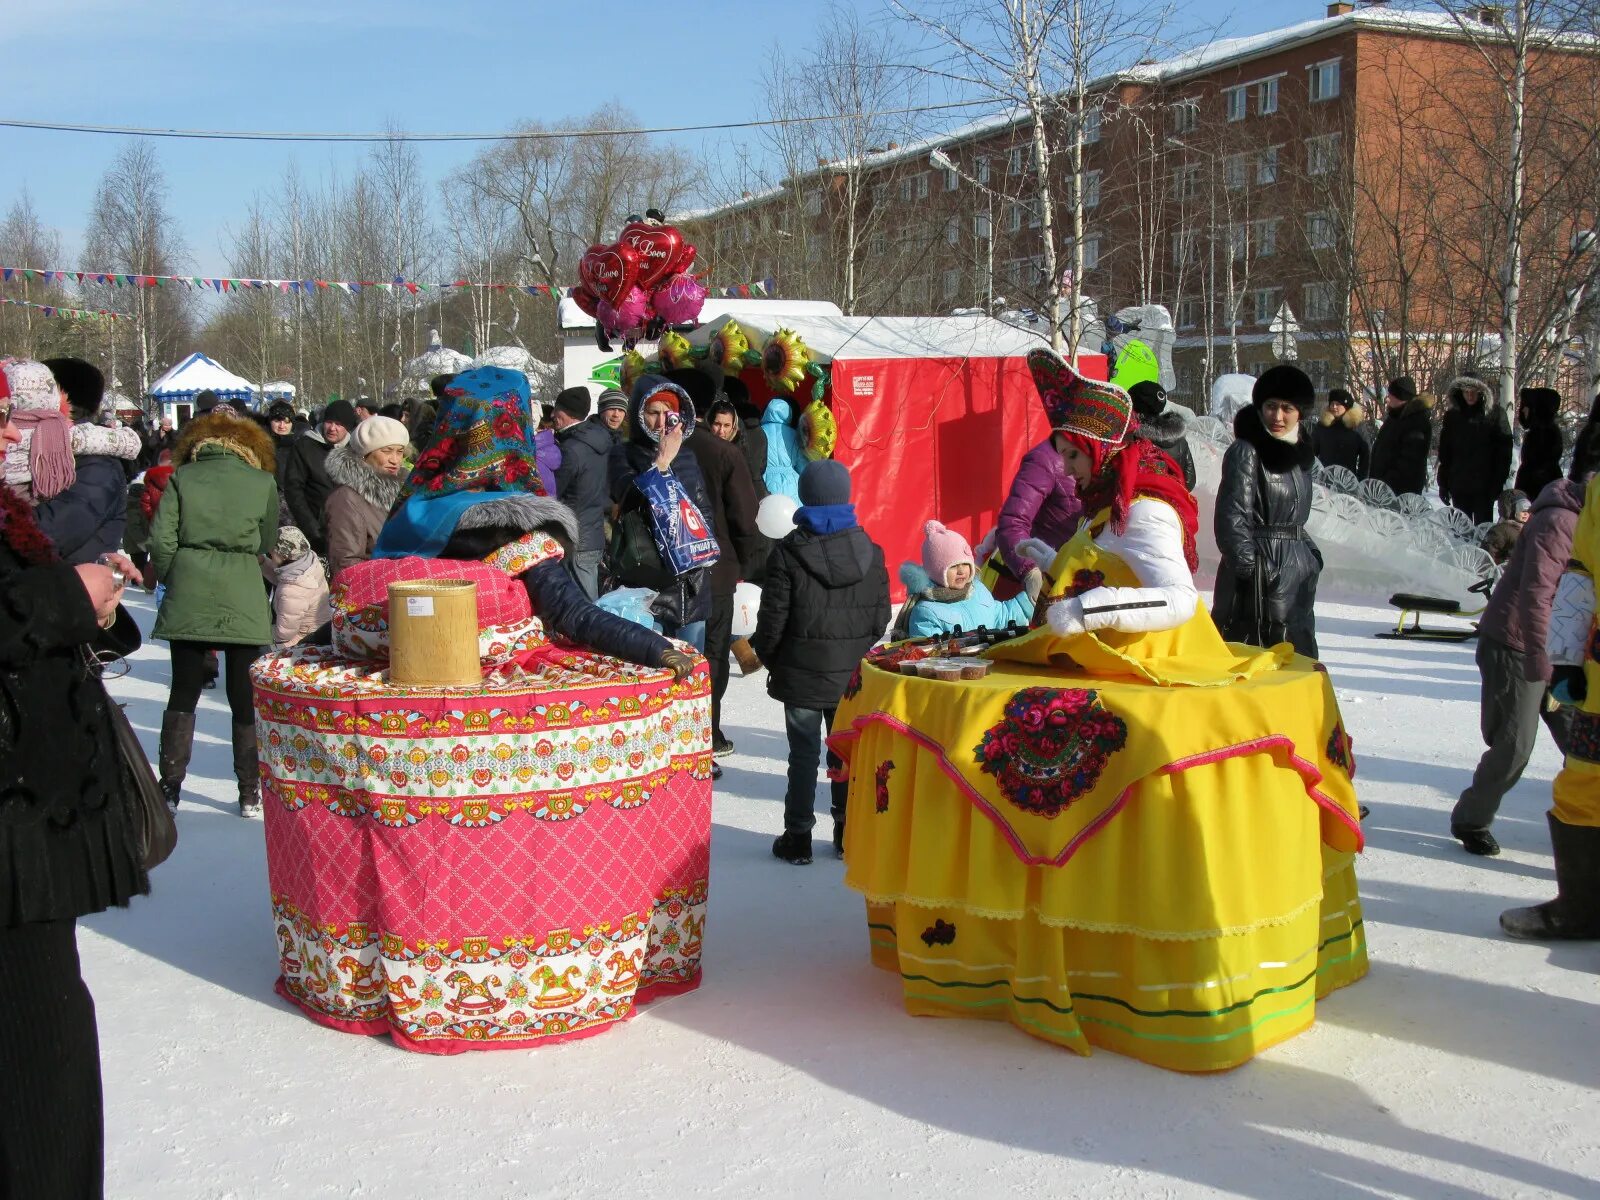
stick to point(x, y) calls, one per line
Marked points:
point(358, 64)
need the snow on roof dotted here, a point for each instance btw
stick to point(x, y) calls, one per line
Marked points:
point(196, 374)
point(837, 336)
point(571, 318)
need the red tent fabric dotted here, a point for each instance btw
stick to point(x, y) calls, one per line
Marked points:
point(934, 415)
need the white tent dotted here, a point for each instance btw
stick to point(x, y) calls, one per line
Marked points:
point(176, 390)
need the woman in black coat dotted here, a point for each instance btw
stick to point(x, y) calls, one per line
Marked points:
point(1542, 443)
point(1400, 450)
point(1267, 581)
point(1474, 450)
point(67, 848)
point(661, 417)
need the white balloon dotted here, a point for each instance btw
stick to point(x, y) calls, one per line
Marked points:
point(746, 605)
point(775, 517)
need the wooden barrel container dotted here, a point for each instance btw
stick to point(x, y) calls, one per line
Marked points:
point(433, 633)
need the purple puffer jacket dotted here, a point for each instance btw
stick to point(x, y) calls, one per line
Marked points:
point(548, 455)
point(1043, 504)
point(1518, 614)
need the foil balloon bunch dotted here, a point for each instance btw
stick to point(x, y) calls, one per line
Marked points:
point(641, 283)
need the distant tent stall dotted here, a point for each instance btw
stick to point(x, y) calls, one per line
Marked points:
point(175, 391)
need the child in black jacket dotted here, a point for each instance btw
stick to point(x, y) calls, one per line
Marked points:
point(824, 605)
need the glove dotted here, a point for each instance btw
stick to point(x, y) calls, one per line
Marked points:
point(1033, 583)
point(1066, 617)
point(679, 663)
point(1568, 685)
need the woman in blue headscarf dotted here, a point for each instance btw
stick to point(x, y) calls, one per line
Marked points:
point(475, 494)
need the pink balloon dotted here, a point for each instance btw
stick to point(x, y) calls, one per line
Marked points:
point(630, 314)
point(679, 299)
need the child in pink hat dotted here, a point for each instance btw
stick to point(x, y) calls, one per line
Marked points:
point(945, 592)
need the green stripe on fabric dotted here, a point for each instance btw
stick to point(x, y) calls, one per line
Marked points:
point(1198, 1039)
point(885, 928)
point(1066, 1012)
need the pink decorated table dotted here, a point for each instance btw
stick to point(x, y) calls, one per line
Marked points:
point(496, 866)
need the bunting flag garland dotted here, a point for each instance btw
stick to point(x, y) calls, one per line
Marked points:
point(224, 285)
point(55, 310)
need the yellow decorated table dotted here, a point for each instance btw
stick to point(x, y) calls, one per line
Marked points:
point(1113, 857)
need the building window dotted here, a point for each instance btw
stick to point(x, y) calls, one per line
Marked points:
point(922, 185)
point(1091, 251)
point(1185, 247)
point(952, 283)
point(951, 179)
point(1014, 217)
point(1185, 116)
point(1320, 372)
point(1034, 220)
point(1321, 232)
point(1322, 154)
point(746, 235)
point(1091, 189)
point(1233, 100)
point(1267, 96)
point(1185, 379)
point(1322, 82)
point(1267, 166)
point(1190, 312)
point(1319, 302)
point(814, 248)
point(1266, 301)
point(952, 231)
point(880, 194)
point(1014, 161)
point(1016, 271)
point(878, 245)
point(981, 229)
point(813, 202)
point(1091, 125)
point(1239, 240)
point(914, 187)
point(981, 170)
point(1235, 170)
point(1264, 236)
point(1186, 181)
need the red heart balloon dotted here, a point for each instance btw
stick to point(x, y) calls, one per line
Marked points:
point(586, 300)
point(609, 271)
point(685, 260)
point(657, 246)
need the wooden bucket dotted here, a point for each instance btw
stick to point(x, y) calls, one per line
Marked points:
point(433, 633)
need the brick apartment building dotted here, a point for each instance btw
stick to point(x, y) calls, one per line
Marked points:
point(1342, 165)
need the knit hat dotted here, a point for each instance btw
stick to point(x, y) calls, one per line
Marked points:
point(612, 398)
point(206, 401)
point(45, 454)
point(1340, 397)
point(375, 433)
point(1403, 388)
point(942, 549)
point(484, 440)
point(574, 401)
point(341, 412)
point(292, 544)
point(1149, 399)
point(281, 410)
point(824, 482)
point(1285, 382)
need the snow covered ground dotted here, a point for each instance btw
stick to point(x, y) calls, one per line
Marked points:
point(1464, 1064)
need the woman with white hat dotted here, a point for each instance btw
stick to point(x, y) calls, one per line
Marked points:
point(367, 471)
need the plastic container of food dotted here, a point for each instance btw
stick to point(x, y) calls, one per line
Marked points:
point(971, 668)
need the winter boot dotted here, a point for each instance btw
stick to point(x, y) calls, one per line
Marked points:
point(177, 743)
point(245, 763)
point(1574, 915)
point(794, 847)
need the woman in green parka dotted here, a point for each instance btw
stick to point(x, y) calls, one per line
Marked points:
point(218, 516)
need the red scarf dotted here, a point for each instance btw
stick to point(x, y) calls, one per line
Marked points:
point(21, 532)
point(1139, 469)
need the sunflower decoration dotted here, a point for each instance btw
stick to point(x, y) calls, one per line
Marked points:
point(633, 366)
point(675, 351)
point(817, 430)
point(784, 360)
point(729, 347)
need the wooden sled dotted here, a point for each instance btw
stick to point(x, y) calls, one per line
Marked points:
point(1413, 606)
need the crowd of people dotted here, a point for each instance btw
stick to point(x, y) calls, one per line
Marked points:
point(244, 524)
